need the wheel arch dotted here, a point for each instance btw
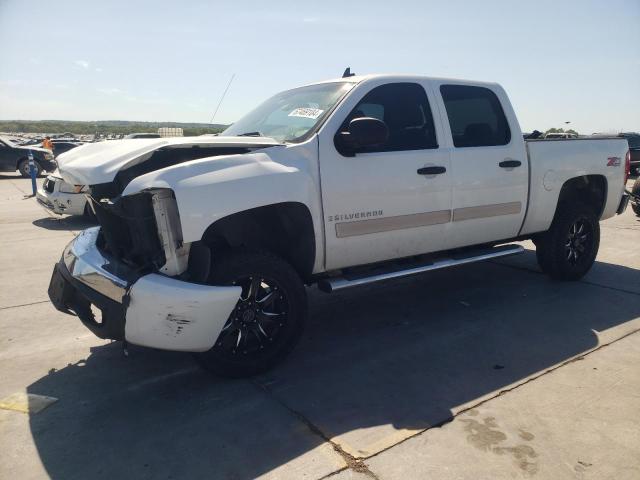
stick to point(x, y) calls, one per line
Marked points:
point(285, 229)
point(590, 189)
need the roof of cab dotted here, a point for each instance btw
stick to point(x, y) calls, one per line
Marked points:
point(398, 77)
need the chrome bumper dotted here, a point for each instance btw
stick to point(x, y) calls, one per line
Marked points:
point(152, 310)
point(94, 269)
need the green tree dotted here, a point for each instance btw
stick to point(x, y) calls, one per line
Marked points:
point(561, 130)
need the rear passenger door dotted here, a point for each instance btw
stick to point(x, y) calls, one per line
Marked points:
point(488, 163)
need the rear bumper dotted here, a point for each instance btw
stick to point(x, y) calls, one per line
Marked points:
point(150, 310)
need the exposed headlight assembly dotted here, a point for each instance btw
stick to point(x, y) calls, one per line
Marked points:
point(169, 227)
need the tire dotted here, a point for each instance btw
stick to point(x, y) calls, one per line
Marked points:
point(636, 191)
point(253, 341)
point(569, 248)
point(23, 168)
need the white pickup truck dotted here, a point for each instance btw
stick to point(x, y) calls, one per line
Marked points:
point(340, 183)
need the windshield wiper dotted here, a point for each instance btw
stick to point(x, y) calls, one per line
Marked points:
point(250, 134)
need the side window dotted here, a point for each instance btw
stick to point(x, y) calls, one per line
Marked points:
point(475, 116)
point(404, 108)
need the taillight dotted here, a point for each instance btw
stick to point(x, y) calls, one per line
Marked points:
point(627, 166)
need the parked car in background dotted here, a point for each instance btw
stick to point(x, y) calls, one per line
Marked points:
point(634, 149)
point(61, 197)
point(635, 199)
point(558, 135)
point(64, 145)
point(14, 157)
point(143, 135)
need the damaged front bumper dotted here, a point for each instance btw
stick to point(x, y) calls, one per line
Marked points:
point(152, 310)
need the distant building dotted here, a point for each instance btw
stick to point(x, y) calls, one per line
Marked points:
point(170, 132)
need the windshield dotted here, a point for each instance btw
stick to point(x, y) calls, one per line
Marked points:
point(289, 116)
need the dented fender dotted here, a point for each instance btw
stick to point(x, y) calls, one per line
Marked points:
point(170, 314)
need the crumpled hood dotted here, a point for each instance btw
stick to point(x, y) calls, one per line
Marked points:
point(96, 163)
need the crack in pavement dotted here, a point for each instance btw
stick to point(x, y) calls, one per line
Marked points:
point(353, 463)
point(24, 304)
point(359, 465)
point(507, 390)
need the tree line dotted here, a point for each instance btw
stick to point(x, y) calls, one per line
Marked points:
point(116, 127)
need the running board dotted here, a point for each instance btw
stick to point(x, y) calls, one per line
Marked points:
point(379, 274)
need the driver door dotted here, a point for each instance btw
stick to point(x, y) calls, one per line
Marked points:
point(391, 200)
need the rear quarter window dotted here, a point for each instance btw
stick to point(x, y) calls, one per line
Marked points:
point(475, 116)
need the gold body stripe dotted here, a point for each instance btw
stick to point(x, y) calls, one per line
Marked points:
point(401, 222)
point(485, 211)
point(386, 224)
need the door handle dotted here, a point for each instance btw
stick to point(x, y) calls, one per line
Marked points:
point(510, 163)
point(431, 170)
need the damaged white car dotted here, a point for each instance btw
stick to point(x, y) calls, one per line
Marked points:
point(342, 183)
point(62, 198)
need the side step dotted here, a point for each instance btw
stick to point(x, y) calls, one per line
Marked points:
point(388, 272)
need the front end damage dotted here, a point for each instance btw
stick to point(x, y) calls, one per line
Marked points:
point(128, 279)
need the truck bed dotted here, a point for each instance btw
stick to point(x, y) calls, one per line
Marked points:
point(553, 162)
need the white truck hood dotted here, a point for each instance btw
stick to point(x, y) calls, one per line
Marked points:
point(96, 163)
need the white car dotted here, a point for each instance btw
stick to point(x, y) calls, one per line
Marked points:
point(60, 197)
point(328, 184)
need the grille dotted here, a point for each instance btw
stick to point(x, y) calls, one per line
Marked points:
point(128, 231)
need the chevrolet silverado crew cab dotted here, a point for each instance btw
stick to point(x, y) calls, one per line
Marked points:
point(340, 183)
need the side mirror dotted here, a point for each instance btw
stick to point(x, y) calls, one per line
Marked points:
point(362, 132)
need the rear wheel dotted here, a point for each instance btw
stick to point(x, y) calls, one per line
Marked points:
point(268, 319)
point(569, 248)
point(23, 168)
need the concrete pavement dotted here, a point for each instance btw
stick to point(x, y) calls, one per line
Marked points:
point(485, 371)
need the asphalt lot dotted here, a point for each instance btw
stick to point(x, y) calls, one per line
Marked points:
point(485, 371)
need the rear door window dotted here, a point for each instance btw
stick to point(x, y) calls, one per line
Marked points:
point(475, 116)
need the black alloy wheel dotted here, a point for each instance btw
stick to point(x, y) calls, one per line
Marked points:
point(257, 319)
point(267, 320)
point(578, 241)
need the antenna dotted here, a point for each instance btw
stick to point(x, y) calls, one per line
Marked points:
point(222, 98)
point(347, 73)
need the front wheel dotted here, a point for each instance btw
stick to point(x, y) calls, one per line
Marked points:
point(268, 319)
point(569, 248)
point(23, 168)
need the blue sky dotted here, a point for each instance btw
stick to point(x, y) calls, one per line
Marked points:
point(575, 61)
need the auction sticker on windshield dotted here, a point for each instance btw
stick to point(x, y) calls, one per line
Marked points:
point(306, 113)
